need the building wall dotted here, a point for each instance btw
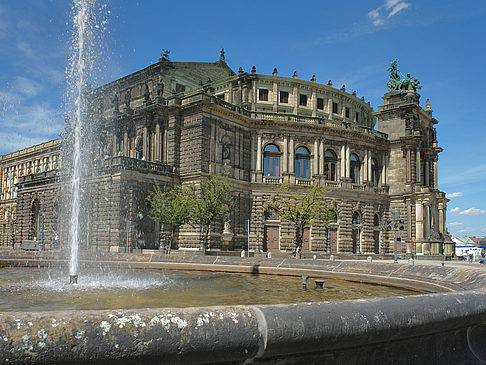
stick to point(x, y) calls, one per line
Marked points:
point(175, 123)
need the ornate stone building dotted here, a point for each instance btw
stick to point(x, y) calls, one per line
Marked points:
point(176, 122)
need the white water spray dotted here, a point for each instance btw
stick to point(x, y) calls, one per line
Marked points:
point(86, 34)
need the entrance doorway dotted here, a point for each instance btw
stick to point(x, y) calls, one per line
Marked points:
point(306, 240)
point(376, 239)
point(271, 238)
point(333, 239)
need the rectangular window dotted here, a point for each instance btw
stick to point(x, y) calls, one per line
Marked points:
point(302, 100)
point(180, 88)
point(357, 117)
point(320, 103)
point(284, 96)
point(263, 94)
point(347, 112)
point(334, 108)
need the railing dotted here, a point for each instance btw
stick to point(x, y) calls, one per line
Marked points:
point(333, 184)
point(358, 187)
point(307, 182)
point(272, 180)
point(336, 122)
point(129, 163)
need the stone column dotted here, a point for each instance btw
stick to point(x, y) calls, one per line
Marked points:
point(145, 143)
point(348, 162)
point(314, 103)
point(369, 167)
point(125, 143)
point(285, 162)
point(343, 161)
point(114, 148)
point(413, 168)
point(230, 92)
point(329, 106)
point(427, 172)
point(383, 170)
point(441, 218)
point(254, 90)
point(436, 181)
point(252, 153)
point(295, 99)
point(428, 221)
point(259, 153)
point(316, 158)
point(275, 96)
point(419, 225)
point(409, 165)
point(291, 155)
point(321, 158)
point(157, 142)
point(409, 227)
point(419, 168)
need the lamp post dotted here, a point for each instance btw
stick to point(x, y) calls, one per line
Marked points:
point(396, 224)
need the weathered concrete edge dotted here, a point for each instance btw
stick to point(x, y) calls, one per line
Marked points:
point(238, 333)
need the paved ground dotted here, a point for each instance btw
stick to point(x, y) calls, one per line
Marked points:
point(454, 263)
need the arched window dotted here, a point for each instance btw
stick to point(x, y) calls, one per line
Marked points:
point(375, 172)
point(302, 158)
point(270, 214)
point(376, 220)
point(271, 160)
point(330, 163)
point(356, 219)
point(355, 168)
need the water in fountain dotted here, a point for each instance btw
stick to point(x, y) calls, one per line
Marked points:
point(88, 19)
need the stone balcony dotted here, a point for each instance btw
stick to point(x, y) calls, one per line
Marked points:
point(341, 185)
point(129, 163)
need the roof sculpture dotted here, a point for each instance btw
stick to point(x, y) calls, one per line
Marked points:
point(398, 82)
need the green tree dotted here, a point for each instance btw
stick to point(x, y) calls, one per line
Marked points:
point(173, 207)
point(213, 204)
point(301, 207)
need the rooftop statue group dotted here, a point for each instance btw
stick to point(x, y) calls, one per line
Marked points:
point(398, 82)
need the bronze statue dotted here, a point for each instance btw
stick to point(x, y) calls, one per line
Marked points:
point(398, 82)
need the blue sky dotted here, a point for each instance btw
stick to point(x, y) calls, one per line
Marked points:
point(352, 42)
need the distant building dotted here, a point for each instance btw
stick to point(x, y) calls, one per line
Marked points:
point(465, 245)
point(177, 122)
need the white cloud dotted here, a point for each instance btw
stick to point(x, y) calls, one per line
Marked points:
point(454, 224)
point(454, 210)
point(14, 141)
point(27, 86)
point(472, 211)
point(398, 8)
point(456, 194)
point(388, 9)
point(483, 229)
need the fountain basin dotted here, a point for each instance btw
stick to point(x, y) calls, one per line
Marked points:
point(446, 327)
